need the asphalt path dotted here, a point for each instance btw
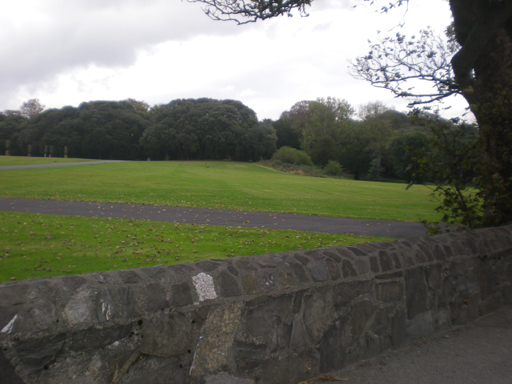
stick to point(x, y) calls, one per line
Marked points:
point(383, 228)
point(478, 353)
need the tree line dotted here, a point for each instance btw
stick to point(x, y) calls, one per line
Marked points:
point(130, 130)
point(380, 143)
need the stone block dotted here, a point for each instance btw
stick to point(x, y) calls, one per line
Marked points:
point(248, 356)
point(332, 348)
point(415, 292)
point(398, 329)
point(167, 335)
point(299, 272)
point(389, 292)
point(207, 265)
point(374, 264)
point(265, 317)
point(181, 295)
point(345, 293)
point(129, 276)
point(216, 340)
point(226, 378)
point(299, 338)
point(281, 337)
point(316, 314)
point(334, 272)
point(155, 299)
point(93, 338)
point(35, 354)
point(250, 284)
point(228, 285)
point(360, 315)
point(385, 261)
point(421, 327)
point(333, 256)
point(9, 375)
point(319, 272)
point(348, 269)
point(301, 259)
point(434, 278)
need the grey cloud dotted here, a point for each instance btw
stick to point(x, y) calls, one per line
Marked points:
point(67, 35)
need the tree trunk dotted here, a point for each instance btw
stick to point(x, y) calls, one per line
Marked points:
point(483, 70)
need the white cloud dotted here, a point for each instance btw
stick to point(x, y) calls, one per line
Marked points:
point(66, 52)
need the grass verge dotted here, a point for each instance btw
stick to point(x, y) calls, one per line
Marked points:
point(36, 245)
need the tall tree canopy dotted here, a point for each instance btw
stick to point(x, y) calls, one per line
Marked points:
point(480, 69)
point(207, 129)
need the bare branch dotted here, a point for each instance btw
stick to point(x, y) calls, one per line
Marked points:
point(394, 62)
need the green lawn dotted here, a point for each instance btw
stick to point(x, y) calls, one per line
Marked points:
point(34, 245)
point(222, 185)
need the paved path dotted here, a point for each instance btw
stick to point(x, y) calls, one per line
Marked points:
point(391, 229)
point(46, 165)
point(479, 353)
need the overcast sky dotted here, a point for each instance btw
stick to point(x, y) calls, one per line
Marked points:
point(64, 52)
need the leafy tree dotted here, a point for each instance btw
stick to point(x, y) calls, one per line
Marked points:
point(376, 169)
point(457, 178)
point(333, 168)
point(403, 148)
point(371, 110)
point(286, 135)
point(207, 129)
point(31, 108)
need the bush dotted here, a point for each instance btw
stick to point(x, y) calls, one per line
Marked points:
point(333, 168)
point(290, 155)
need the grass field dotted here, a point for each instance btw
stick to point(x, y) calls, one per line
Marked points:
point(222, 185)
point(35, 245)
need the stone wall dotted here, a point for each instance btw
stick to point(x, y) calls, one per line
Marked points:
point(276, 318)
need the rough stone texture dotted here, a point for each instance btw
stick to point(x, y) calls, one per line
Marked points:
point(271, 319)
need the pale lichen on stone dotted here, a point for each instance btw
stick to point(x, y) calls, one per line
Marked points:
point(204, 286)
point(10, 325)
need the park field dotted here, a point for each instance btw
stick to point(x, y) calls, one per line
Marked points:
point(221, 185)
point(35, 245)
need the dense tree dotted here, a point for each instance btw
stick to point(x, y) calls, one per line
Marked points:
point(479, 69)
point(207, 129)
point(403, 148)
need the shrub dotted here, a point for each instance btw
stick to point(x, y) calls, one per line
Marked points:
point(290, 155)
point(333, 168)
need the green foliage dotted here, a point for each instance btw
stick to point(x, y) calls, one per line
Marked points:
point(376, 169)
point(402, 147)
point(452, 162)
point(292, 156)
point(207, 129)
point(333, 168)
